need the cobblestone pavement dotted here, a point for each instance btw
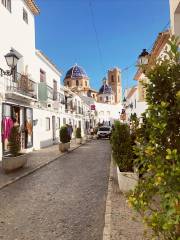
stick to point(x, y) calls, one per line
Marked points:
point(64, 200)
point(35, 160)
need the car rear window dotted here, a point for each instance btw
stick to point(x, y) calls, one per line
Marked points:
point(104, 129)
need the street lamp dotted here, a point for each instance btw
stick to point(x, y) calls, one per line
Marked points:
point(124, 100)
point(143, 58)
point(131, 106)
point(11, 60)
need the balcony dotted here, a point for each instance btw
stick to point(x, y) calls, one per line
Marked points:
point(20, 84)
point(70, 107)
point(59, 97)
point(44, 92)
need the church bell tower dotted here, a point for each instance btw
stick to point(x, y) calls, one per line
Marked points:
point(114, 80)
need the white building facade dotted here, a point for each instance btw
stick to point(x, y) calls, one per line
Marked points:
point(175, 16)
point(32, 96)
point(18, 91)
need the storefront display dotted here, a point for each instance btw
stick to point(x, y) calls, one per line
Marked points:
point(29, 127)
point(13, 115)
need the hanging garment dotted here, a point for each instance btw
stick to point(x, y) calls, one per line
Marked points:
point(7, 124)
point(29, 127)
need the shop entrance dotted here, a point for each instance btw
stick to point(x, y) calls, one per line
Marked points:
point(13, 115)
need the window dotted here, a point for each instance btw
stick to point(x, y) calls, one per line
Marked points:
point(118, 79)
point(58, 123)
point(86, 83)
point(25, 15)
point(68, 83)
point(100, 98)
point(64, 121)
point(104, 129)
point(77, 83)
point(54, 90)
point(7, 4)
point(112, 78)
point(107, 99)
point(48, 127)
point(42, 76)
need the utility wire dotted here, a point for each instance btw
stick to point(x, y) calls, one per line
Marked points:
point(148, 49)
point(96, 35)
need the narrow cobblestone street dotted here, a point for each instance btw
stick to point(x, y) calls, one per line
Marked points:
point(65, 200)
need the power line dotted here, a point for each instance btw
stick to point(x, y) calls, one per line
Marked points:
point(148, 49)
point(96, 35)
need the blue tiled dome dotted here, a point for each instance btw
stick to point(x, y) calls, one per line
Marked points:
point(105, 89)
point(76, 72)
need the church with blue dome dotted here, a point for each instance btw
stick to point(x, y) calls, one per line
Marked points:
point(78, 81)
point(76, 72)
point(110, 92)
point(105, 94)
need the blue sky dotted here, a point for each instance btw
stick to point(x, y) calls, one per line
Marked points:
point(64, 32)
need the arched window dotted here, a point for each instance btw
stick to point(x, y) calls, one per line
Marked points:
point(77, 83)
point(86, 83)
point(112, 78)
point(118, 79)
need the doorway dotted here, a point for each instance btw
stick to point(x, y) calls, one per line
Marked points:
point(54, 127)
point(15, 115)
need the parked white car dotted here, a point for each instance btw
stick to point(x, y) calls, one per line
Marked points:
point(104, 132)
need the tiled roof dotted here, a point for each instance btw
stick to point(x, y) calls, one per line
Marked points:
point(33, 7)
point(105, 89)
point(160, 42)
point(158, 45)
point(76, 72)
point(50, 61)
point(131, 92)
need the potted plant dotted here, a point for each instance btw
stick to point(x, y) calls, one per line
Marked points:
point(16, 159)
point(78, 136)
point(64, 145)
point(122, 153)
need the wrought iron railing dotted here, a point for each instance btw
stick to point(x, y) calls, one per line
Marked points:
point(60, 98)
point(21, 83)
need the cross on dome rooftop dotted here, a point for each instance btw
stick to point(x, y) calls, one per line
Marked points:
point(76, 72)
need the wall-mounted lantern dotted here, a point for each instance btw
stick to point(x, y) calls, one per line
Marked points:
point(143, 58)
point(11, 60)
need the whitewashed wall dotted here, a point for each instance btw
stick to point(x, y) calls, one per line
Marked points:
point(47, 67)
point(41, 136)
point(175, 16)
point(17, 34)
point(108, 112)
